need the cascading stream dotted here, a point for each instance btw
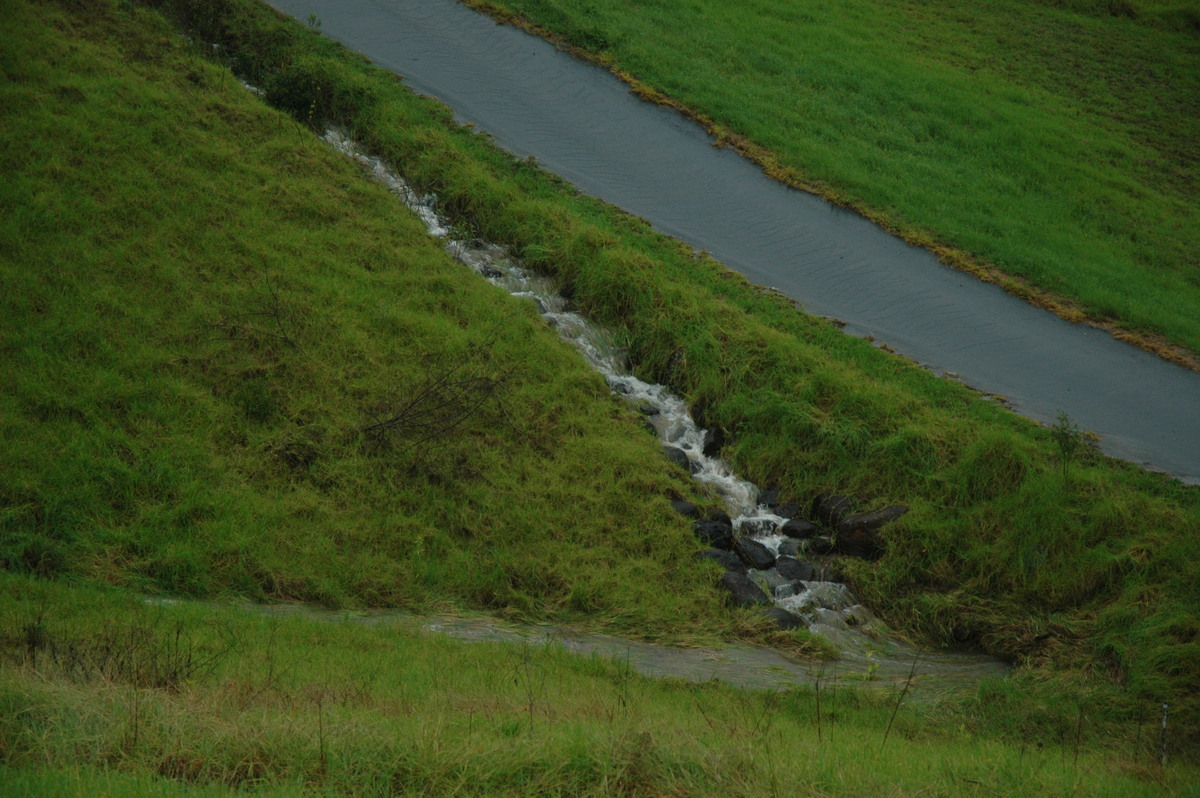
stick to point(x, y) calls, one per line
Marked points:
point(829, 608)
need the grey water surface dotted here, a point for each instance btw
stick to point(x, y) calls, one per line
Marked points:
point(583, 124)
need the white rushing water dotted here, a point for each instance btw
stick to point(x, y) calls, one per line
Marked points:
point(829, 608)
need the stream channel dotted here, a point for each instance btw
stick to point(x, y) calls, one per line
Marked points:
point(827, 608)
point(583, 124)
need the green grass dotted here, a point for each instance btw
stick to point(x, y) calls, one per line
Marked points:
point(1093, 573)
point(1053, 142)
point(207, 307)
point(296, 706)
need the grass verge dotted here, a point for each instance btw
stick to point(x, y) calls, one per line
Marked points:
point(1048, 147)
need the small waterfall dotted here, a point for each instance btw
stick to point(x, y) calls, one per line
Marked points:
point(829, 608)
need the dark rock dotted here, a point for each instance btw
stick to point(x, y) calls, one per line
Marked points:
point(490, 272)
point(871, 521)
point(726, 559)
point(862, 543)
point(723, 517)
point(714, 439)
point(757, 527)
point(788, 548)
point(830, 510)
point(769, 497)
point(717, 534)
point(788, 510)
point(679, 457)
point(685, 508)
point(821, 545)
point(798, 528)
point(791, 568)
point(742, 590)
point(782, 618)
point(753, 553)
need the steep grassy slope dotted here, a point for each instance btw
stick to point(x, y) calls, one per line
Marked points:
point(203, 308)
point(208, 307)
point(1090, 567)
point(1051, 142)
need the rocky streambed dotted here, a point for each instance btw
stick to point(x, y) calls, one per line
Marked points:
point(772, 557)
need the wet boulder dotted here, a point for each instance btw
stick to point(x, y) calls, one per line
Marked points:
point(769, 497)
point(862, 543)
point(743, 592)
point(858, 534)
point(786, 510)
point(799, 529)
point(789, 548)
point(717, 534)
point(793, 569)
point(871, 521)
point(830, 509)
point(726, 559)
point(753, 553)
point(679, 457)
point(714, 439)
point(685, 508)
point(755, 527)
point(782, 618)
point(820, 545)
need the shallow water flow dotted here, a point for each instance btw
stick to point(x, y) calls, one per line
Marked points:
point(828, 608)
point(583, 124)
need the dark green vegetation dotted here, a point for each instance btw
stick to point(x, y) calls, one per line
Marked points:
point(203, 308)
point(1054, 142)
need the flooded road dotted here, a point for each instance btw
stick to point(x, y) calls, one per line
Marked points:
point(583, 124)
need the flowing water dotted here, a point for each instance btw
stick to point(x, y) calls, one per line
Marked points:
point(583, 124)
point(747, 666)
point(828, 608)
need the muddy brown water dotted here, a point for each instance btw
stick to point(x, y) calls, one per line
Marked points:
point(583, 124)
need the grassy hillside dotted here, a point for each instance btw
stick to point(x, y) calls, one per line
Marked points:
point(1052, 146)
point(1088, 567)
point(205, 307)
